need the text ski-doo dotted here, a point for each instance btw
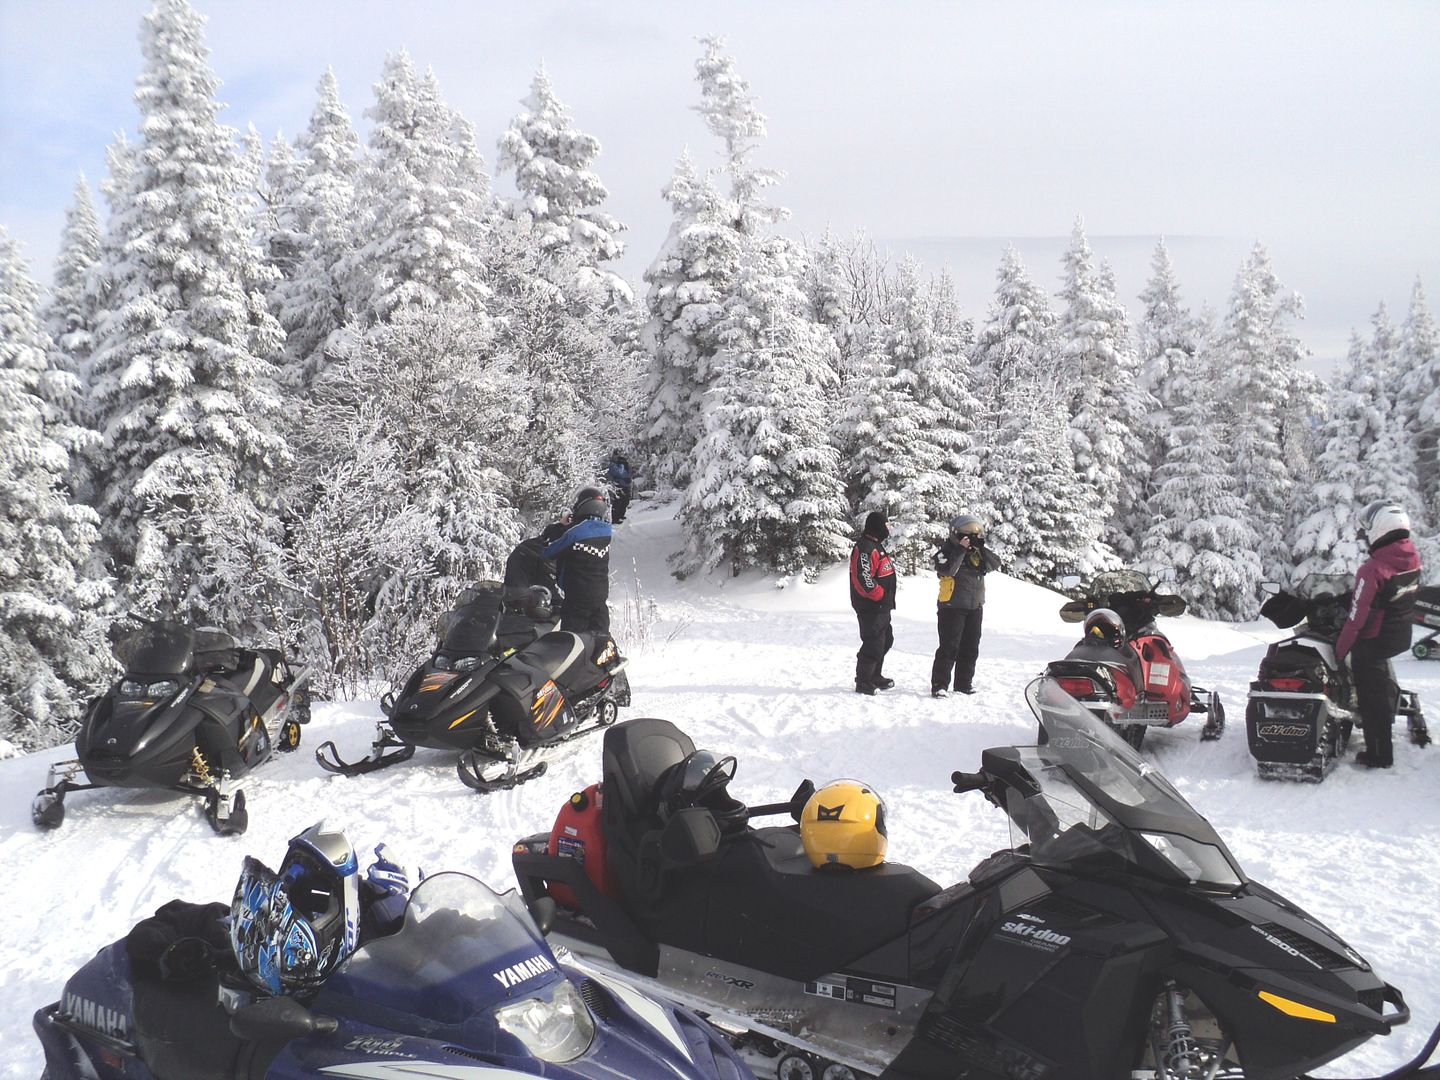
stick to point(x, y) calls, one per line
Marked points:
point(193, 713)
point(465, 988)
point(503, 687)
point(1118, 939)
point(1140, 682)
point(1301, 707)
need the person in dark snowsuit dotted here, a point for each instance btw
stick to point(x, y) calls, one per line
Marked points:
point(961, 564)
point(621, 481)
point(872, 595)
point(582, 556)
point(1378, 626)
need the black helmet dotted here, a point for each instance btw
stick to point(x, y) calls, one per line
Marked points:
point(590, 502)
point(1105, 625)
point(701, 779)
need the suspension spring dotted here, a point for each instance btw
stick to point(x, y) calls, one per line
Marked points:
point(199, 766)
point(1180, 1054)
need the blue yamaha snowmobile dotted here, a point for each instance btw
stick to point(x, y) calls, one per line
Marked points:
point(466, 987)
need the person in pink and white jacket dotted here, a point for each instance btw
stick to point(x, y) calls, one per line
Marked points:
point(1378, 626)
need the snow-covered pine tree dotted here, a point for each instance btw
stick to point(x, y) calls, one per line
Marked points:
point(418, 425)
point(687, 283)
point(424, 205)
point(1107, 410)
point(1197, 526)
point(1389, 465)
point(52, 652)
point(559, 193)
point(766, 492)
point(1324, 541)
point(1027, 484)
point(732, 115)
point(1419, 360)
point(1257, 359)
point(70, 310)
point(183, 368)
point(315, 197)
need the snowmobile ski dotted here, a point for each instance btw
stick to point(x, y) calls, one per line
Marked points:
point(385, 751)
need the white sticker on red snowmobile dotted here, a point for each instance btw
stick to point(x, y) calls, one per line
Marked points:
point(1159, 674)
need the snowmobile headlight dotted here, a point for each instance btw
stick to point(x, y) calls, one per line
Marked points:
point(162, 689)
point(556, 1030)
point(131, 688)
point(440, 663)
point(1203, 864)
point(467, 663)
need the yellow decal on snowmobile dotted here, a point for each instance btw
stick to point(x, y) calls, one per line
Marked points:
point(547, 705)
point(1294, 1008)
point(437, 681)
point(462, 719)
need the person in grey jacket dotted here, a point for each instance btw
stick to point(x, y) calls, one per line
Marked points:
point(961, 563)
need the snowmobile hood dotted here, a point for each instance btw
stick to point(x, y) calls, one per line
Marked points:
point(127, 730)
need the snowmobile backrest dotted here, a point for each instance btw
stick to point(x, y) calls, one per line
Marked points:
point(636, 753)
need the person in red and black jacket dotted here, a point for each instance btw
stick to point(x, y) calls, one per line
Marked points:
point(1378, 626)
point(872, 595)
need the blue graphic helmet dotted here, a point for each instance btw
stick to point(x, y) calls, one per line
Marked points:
point(290, 930)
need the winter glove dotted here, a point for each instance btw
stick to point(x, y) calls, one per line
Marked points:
point(387, 876)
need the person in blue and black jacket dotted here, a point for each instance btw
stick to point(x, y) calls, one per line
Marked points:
point(582, 555)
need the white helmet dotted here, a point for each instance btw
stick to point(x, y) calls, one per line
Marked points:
point(1381, 518)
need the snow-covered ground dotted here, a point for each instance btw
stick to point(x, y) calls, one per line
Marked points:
point(763, 673)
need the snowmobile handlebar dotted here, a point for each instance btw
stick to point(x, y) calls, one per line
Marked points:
point(969, 781)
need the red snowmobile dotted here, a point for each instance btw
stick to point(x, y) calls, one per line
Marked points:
point(1128, 673)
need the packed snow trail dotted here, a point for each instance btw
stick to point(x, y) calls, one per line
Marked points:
point(765, 674)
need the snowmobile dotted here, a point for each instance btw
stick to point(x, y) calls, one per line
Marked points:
point(1118, 938)
point(503, 687)
point(1427, 614)
point(193, 713)
point(1147, 687)
point(1301, 707)
point(465, 988)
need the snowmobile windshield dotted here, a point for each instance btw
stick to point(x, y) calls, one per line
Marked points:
point(1325, 586)
point(163, 647)
point(462, 951)
point(1119, 581)
point(469, 628)
point(1098, 806)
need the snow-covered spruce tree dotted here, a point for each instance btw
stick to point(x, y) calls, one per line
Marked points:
point(824, 287)
point(559, 194)
point(70, 310)
point(766, 492)
point(732, 115)
point(423, 201)
point(314, 192)
point(1257, 360)
point(52, 648)
point(1197, 526)
point(435, 414)
point(183, 366)
point(1027, 485)
point(1107, 410)
point(1419, 396)
point(1324, 541)
point(687, 283)
point(1389, 465)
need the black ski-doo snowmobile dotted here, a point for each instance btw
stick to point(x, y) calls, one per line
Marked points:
point(503, 687)
point(1301, 708)
point(1118, 939)
point(464, 988)
point(193, 713)
point(1149, 687)
point(1427, 614)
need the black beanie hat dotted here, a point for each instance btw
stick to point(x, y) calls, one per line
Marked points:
point(876, 526)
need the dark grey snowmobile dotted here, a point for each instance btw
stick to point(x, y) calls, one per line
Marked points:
point(193, 713)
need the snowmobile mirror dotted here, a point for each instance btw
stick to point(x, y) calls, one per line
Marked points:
point(690, 835)
point(278, 1019)
point(542, 910)
point(1074, 611)
point(1170, 605)
point(1270, 588)
point(801, 797)
point(1070, 582)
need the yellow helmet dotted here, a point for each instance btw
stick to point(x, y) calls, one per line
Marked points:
point(843, 824)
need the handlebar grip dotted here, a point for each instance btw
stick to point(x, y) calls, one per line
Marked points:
point(968, 781)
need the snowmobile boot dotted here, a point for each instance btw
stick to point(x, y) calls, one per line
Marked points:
point(865, 688)
point(883, 683)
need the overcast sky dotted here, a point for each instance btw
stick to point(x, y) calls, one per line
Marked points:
point(942, 128)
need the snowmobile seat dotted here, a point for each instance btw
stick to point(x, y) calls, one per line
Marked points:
point(1099, 652)
point(767, 907)
point(554, 652)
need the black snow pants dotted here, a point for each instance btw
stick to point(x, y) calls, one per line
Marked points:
point(585, 618)
point(959, 648)
point(876, 637)
point(1377, 696)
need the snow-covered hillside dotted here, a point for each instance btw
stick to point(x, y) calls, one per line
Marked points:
point(765, 674)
